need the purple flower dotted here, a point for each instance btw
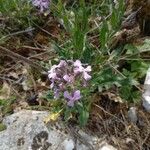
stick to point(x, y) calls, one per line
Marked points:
point(52, 73)
point(69, 75)
point(80, 69)
point(86, 75)
point(68, 78)
point(42, 4)
point(62, 64)
point(77, 63)
point(52, 84)
point(53, 69)
point(72, 97)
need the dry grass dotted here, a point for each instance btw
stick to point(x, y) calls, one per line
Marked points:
point(111, 121)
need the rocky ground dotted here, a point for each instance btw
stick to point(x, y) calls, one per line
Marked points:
point(113, 123)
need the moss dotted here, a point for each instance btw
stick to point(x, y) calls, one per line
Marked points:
point(2, 127)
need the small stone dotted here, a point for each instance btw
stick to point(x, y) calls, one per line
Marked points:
point(147, 79)
point(68, 144)
point(107, 147)
point(132, 115)
point(146, 102)
point(146, 94)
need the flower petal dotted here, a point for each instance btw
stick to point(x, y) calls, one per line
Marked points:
point(62, 64)
point(52, 76)
point(76, 95)
point(36, 2)
point(66, 78)
point(67, 95)
point(70, 103)
point(52, 84)
point(77, 63)
point(88, 69)
point(42, 4)
point(52, 70)
point(86, 76)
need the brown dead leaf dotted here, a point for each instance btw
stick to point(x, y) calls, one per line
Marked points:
point(5, 91)
point(114, 97)
point(13, 75)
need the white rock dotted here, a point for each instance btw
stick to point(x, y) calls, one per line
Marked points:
point(26, 130)
point(68, 144)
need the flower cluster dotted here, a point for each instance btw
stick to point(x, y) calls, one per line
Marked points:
point(67, 78)
point(42, 4)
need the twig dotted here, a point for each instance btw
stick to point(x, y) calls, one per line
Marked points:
point(40, 54)
point(10, 80)
point(109, 114)
point(19, 32)
point(45, 31)
point(16, 56)
point(34, 48)
point(95, 28)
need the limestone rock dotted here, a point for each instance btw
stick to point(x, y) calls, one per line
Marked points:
point(26, 130)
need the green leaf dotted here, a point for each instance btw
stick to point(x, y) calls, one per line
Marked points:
point(145, 47)
point(103, 34)
point(83, 114)
point(131, 49)
point(114, 19)
point(83, 117)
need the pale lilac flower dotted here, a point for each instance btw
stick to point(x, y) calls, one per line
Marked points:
point(68, 78)
point(52, 75)
point(88, 69)
point(42, 4)
point(69, 75)
point(72, 97)
point(77, 63)
point(86, 76)
point(62, 64)
point(52, 84)
point(85, 73)
point(53, 68)
point(80, 69)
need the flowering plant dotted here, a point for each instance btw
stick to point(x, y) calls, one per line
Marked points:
point(68, 81)
point(42, 4)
